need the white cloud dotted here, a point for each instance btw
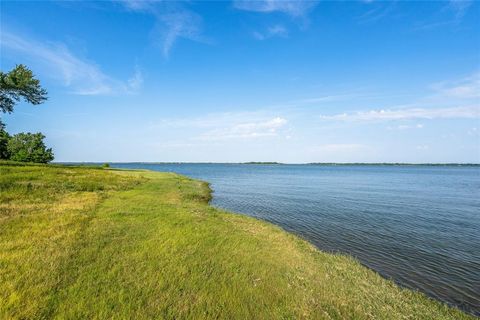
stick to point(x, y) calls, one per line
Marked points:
point(273, 31)
point(82, 76)
point(136, 81)
point(460, 7)
point(330, 98)
point(352, 95)
point(225, 126)
point(137, 4)
point(473, 131)
point(179, 25)
point(471, 112)
point(422, 147)
point(172, 22)
point(380, 10)
point(443, 18)
point(293, 8)
point(466, 88)
point(406, 127)
point(247, 130)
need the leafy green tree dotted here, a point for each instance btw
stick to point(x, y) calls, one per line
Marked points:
point(17, 84)
point(4, 137)
point(20, 83)
point(29, 147)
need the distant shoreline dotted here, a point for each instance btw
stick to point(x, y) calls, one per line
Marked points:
point(280, 163)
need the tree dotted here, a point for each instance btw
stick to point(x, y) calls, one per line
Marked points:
point(4, 137)
point(29, 147)
point(19, 83)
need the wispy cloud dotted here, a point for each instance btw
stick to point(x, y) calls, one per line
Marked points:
point(406, 127)
point(297, 10)
point(423, 147)
point(450, 14)
point(176, 25)
point(138, 4)
point(466, 88)
point(173, 21)
point(454, 99)
point(342, 96)
point(469, 112)
point(273, 31)
point(247, 130)
point(227, 126)
point(80, 75)
point(473, 131)
point(358, 96)
point(460, 7)
point(292, 8)
point(380, 10)
point(136, 81)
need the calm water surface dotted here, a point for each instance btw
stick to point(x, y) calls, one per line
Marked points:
point(419, 225)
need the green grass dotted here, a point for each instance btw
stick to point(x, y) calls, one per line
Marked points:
point(92, 243)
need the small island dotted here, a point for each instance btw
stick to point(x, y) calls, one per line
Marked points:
point(260, 162)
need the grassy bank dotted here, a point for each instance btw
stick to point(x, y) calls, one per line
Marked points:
point(94, 243)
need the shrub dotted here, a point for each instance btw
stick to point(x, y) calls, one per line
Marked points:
point(29, 147)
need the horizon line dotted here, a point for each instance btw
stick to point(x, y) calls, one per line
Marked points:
point(273, 163)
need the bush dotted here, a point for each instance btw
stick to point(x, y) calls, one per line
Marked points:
point(105, 165)
point(29, 147)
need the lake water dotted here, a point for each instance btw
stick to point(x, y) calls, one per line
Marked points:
point(418, 225)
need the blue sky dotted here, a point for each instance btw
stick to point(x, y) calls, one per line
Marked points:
point(367, 81)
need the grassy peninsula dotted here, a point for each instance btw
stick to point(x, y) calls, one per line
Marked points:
point(79, 242)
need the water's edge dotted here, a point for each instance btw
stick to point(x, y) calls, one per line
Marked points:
point(416, 226)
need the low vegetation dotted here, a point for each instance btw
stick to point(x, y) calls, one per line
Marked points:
point(86, 243)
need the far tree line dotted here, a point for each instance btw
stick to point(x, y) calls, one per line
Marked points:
point(16, 85)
